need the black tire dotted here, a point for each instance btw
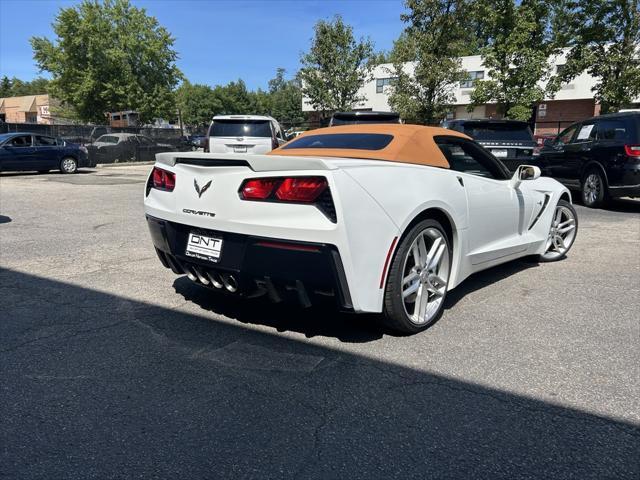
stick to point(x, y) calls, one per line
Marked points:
point(593, 189)
point(395, 315)
point(68, 165)
point(544, 259)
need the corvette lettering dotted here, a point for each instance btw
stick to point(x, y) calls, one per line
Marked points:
point(198, 212)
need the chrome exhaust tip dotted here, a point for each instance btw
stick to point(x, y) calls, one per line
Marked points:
point(201, 276)
point(190, 273)
point(229, 282)
point(216, 281)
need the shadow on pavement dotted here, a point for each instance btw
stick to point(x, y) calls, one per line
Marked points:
point(321, 320)
point(81, 171)
point(96, 385)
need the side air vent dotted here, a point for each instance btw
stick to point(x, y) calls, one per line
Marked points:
point(545, 203)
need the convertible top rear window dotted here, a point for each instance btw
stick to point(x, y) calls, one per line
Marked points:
point(353, 141)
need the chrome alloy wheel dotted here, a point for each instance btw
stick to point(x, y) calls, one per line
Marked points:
point(561, 234)
point(69, 165)
point(425, 275)
point(592, 188)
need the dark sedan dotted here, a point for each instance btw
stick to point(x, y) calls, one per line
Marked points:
point(25, 151)
point(126, 147)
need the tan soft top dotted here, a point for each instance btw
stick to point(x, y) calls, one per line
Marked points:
point(410, 144)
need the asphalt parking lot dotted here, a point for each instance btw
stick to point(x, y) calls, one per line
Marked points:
point(113, 367)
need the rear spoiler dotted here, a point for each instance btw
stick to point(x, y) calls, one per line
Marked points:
point(257, 163)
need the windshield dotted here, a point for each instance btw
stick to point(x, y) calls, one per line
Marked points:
point(498, 131)
point(240, 128)
point(5, 136)
point(107, 139)
point(356, 141)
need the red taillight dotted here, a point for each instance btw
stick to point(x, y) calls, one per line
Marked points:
point(258, 188)
point(163, 180)
point(301, 189)
point(287, 189)
point(311, 190)
point(632, 150)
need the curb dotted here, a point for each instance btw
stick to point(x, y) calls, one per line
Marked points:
point(122, 164)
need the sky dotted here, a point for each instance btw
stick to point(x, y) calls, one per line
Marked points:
point(217, 40)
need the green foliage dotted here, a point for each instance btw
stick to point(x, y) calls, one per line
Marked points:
point(14, 87)
point(605, 39)
point(335, 67)
point(110, 56)
point(197, 104)
point(435, 36)
point(520, 40)
point(286, 99)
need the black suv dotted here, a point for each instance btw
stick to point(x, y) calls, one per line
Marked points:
point(600, 156)
point(511, 141)
point(352, 118)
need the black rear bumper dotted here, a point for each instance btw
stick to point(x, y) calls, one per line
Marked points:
point(278, 268)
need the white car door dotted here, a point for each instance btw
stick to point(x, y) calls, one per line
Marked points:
point(496, 210)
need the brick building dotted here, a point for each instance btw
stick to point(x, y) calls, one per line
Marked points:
point(27, 109)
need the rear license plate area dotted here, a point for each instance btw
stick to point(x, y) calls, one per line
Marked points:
point(239, 149)
point(500, 153)
point(204, 247)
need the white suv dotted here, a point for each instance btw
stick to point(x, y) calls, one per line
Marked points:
point(244, 134)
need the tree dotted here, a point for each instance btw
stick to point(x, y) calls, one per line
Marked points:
point(335, 67)
point(110, 56)
point(520, 42)
point(197, 104)
point(15, 87)
point(605, 37)
point(286, 99)
point(434, 39)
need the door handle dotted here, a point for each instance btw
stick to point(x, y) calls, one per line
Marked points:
point(460, 181)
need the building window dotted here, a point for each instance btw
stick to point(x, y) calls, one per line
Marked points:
point(383, 82)
point(31, 117)
point(471, 79)
point(115, 117)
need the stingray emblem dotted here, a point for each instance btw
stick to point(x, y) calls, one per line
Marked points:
point(204, 188)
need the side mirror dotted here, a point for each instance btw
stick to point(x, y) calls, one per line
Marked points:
point(549, 142)
point(524, 173)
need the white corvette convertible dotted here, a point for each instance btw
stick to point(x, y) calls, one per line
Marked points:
point(384, 218)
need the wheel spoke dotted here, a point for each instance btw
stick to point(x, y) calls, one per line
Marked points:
point(411, 289)
point(565, 223)
point(422, 249)
point(422, 301)
point(558, 217)
point(435, 261)
point(409, 278)
point(566, 229)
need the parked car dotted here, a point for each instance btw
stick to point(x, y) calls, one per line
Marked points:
point(355, 118)
point(511, 141)
point(244, 134)
point(197, 141)
point(600, 157)
point(126, 147)
point(26, 151)
point(384, 218)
